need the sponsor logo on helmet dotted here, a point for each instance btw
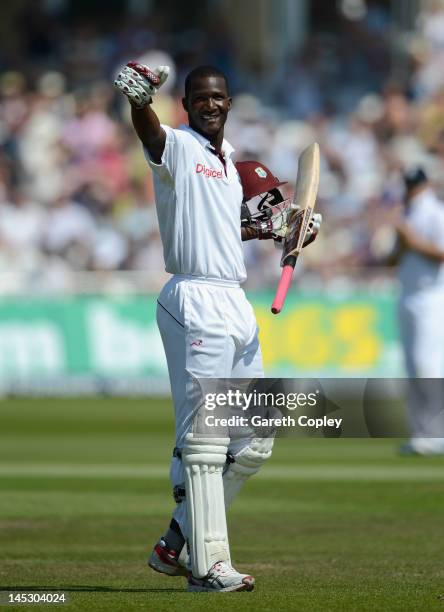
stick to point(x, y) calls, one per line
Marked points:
point(260, 172)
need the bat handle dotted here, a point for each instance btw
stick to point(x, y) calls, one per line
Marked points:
point(284, 284)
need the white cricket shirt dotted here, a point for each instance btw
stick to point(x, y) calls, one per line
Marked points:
point(417, 272)
point(198, 201)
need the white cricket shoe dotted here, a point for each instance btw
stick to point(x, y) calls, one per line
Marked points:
point(221, 578)
point(166, 561)
point(423, 446)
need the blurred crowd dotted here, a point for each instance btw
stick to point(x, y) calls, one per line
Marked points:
point(76, 194)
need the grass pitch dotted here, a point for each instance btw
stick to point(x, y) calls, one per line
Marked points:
point(327, 524)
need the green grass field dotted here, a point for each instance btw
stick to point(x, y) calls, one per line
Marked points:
point(327, 525)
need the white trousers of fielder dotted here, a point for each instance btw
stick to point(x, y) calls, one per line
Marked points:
point(422, 336)
point(209, 330)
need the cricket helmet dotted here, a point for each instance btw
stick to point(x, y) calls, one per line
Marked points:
point(256, 179)
point(261, 184)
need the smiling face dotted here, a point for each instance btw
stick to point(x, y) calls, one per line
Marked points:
point(207, 105)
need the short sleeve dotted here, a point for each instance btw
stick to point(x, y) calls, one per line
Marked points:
point(169, 161)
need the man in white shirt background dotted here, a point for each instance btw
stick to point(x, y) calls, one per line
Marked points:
point(421, 312)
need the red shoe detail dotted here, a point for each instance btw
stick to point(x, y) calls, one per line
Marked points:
point(167, 556)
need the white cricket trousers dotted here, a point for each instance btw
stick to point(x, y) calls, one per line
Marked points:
point(421, 326)
point(209, 330)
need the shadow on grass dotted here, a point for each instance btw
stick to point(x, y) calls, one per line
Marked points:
point(84, 588)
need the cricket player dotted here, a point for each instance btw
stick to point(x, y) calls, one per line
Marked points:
point(207, 326)
point(421, 308)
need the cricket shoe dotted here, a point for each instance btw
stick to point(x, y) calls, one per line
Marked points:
point(221, 578)
point(168, 561)
point(422, 447)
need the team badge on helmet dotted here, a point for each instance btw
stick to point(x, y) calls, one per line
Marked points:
point(260, 172)
point(256, 178)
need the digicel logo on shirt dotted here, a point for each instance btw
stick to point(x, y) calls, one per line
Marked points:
point(208, 172)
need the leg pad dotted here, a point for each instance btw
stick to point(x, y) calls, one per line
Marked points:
point(204, 460)
point(246, 463)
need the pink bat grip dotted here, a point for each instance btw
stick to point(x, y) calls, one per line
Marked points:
point(281, 292)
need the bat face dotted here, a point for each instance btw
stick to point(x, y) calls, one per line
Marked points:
point(307, 183)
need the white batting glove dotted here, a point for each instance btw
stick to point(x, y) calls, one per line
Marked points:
point(276, 226)
point(139, 83)
point(313, 228)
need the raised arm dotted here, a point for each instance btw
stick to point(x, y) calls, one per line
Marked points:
point(140, 84)
point(148, 129)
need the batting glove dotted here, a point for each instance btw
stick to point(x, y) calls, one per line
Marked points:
point(276, 227)
point(313, 229)
point(139, 83)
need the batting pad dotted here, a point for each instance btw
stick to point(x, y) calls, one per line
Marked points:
point(246, 463)
point(204, 460)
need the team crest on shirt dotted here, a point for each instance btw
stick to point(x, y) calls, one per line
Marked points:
point(260, 172)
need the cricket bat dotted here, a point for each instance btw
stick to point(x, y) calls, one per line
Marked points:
point(304, 198)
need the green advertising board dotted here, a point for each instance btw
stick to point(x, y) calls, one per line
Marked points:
point(103, 339)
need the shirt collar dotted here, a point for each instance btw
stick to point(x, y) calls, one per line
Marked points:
point(227, 149)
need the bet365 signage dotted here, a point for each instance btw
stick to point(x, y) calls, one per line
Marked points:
point(112, 338)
